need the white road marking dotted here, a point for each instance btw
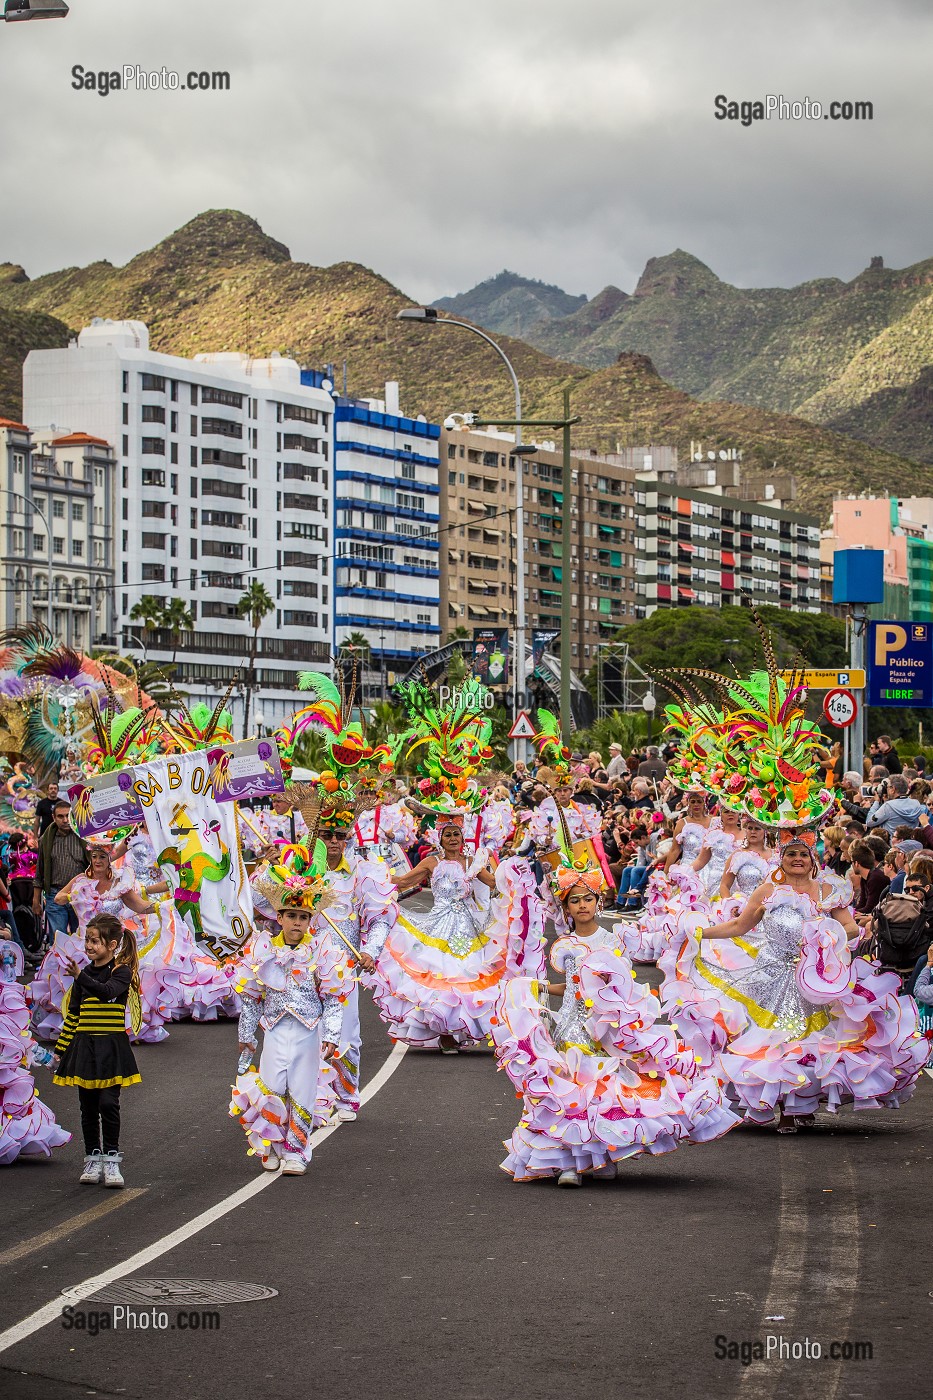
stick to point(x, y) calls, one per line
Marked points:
point(51, 1312)
point(111, 1201)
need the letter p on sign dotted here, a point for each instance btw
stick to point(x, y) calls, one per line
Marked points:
point(888, 640)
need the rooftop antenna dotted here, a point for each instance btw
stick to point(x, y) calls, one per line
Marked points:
point(345, 379)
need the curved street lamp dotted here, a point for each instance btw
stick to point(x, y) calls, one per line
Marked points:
point(427, 316)
point(16, 11)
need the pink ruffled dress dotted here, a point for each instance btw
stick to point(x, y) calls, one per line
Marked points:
point(601, 1080)
point(27, 1126)
point(667, 897)
point(443, 976)
point(805, 1025)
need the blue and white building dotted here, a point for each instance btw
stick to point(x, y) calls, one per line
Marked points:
point(386, 513)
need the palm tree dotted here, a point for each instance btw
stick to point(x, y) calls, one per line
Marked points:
point(176, 617)
point(254, 604)
point(150, 611)
point(356, 645)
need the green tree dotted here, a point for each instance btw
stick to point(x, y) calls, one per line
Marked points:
point(149, 611)
point(255, 604)
point(176, 618)
point(356, 644)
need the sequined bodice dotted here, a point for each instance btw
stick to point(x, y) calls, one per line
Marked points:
point(570, 1022)
point(749, 869)
point(88, 901)
point(781, 925)
point(690, 841)
point(449, 882)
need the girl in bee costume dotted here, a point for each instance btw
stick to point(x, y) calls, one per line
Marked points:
point(94, 1049)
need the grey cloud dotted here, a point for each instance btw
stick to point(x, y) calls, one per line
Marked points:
point(439, 143)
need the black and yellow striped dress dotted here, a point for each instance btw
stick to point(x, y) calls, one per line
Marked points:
point(93, 1045)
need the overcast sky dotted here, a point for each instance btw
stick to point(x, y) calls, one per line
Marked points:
point(438, 141)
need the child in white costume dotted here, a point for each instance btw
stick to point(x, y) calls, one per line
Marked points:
point(293, 985)
point(363, 905)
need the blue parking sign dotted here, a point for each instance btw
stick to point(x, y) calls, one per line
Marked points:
point(900, 664)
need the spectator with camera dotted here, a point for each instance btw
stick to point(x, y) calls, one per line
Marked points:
point(893, 807)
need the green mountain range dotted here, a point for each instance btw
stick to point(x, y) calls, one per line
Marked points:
point(855, 356)
point(221, 283)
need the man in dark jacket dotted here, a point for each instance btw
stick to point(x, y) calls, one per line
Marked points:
point(62, 856)
point(883, 751)
point(873, 882)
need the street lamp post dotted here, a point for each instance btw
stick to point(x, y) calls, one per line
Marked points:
point(16, 11)
point(427, 315)
point(48, 534)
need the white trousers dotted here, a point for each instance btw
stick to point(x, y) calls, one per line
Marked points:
point(289, 1066)
point(347, 1065)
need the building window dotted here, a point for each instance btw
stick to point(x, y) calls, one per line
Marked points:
point(77, 510)
point(153, 413)
point(77, 548)
point(58, 510)
point(154, 383)
point(153, 447)
point(153, 573)
point(58, 544)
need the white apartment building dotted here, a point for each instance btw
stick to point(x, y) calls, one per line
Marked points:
point(63, 481)
point(387, 519)
point(224, 475)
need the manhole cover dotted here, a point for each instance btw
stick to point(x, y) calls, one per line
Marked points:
point(179, 1292)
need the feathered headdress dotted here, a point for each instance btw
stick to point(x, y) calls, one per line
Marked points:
point(450, 739)
point(769, 752)
point(332, 710)
point(547, 740)
point(298, 880)
point(185, 729)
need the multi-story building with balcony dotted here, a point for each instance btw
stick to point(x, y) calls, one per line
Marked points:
point(706, 538)
point(65, 482)
point(386, 519)
point(223, 476)
point(478, 573)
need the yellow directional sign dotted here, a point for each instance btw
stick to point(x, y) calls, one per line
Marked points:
point(830, 680)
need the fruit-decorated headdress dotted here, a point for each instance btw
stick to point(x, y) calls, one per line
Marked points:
point(332, 709)
point(449, 741)
point(551, 749)
point(699, 765)
point(298, 880)
point(771, 753)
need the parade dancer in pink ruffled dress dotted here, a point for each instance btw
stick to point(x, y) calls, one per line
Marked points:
point(439, 979)
point(601, 1081)
point(674, 889)
point(27, 1127)
point(722, 838)
point(804, 1025)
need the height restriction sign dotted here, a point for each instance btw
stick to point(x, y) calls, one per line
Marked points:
point(839, 707)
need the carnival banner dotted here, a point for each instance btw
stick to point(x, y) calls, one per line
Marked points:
point(104, 803)
point(196, 844)
point(245, 770)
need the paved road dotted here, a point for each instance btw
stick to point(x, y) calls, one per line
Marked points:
point(407, 1266)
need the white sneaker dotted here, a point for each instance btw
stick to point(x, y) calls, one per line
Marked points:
point(293, 1166)
point(346, 1115)
point(607, 1173)
point(271, 1163)
point(570, 1178)
point(93, 1168)
point(112, 1174)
